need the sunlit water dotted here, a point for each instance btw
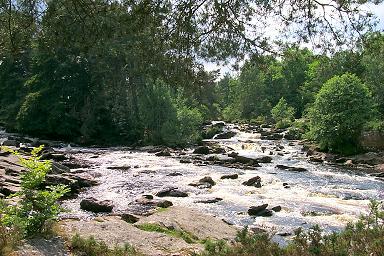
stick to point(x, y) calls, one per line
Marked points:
point(324, 195)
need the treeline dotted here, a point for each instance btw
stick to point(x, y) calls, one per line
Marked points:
point(334, 96)
point(130, 72)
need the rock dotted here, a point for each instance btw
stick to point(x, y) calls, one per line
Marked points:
point(257, 210)
point(173, 174)
point(164, 203)
point(93, 205)
point(255, 181)
point(202, 150)
point(148, 196)
point(53, 156)
point(11, 143)
point(4, 153)
point(218, 150)
point(233, 154)
point(225, 135)
point(209, 200)
point(276, 208)
point(164, 152)
point(57, 168)
point(292, 169)
point(208, 180)
point(129, 218)
point(9, 188)
point(230, 176)
point(264, 159)
point(185, 161)
point(171, 192)
point(120, 168)
point(316, 159)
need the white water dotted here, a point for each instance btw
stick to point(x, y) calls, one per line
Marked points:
point(324, 195)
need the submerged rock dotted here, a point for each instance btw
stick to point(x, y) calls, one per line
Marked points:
point(93, 205)
point(260, 210)
point(171, 192)
point(164, 152)
point(255, 181)
point(206, 182)
point(230, 176)
point(202, 150)
point(291, 168)
point(209, 200)
point(225, 135)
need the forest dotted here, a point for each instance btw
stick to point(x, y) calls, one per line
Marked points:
point(132, 72)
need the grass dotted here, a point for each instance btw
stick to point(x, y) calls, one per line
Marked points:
point(186, 236)
point(91, 247)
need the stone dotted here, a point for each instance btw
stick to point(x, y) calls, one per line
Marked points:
point(129, 218)
point(164, 152)
point(202, 150)
point(207, 179)
point(290, 168)
point(230, 176)
point(57, 168)
point(164, 203)
point(93, 205)
point(263, 159)
point(225, 135)
point(256, 210)
point(276, 208)
point(255, 181)
point(171, 192)
point(11, 143)
point(120, 168)
point(173, 174)
point(185, 161)
point(53, 156)
point(209, 200)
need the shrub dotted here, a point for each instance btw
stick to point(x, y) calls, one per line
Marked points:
point(283, 114)
point(91, 247)
point(36, 204)
point(337, 117)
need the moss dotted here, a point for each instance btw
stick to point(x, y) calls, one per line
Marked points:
point(186, 236)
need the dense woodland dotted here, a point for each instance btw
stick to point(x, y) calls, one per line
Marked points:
point(132, 72)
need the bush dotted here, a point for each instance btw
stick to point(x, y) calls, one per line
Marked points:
point(36, 205)
point(91, 247)
point(342, 107)
point(283, 114)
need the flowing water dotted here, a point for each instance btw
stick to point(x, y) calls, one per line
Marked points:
point(324, 195)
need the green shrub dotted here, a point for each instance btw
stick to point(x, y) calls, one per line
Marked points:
point(35, 204)
point(283, 114)
point(91, 247)
point(342, 107)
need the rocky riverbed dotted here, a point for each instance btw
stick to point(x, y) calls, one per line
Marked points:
point(244, 176)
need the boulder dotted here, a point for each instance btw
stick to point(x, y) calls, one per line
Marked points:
point(263, 159)
point(209, 200)
point(276, 208)
point(164, 152)
point(164, 203)
point(256, 210)
point(206, 182)
point(57, 168)
point(207, 179)
point(93, 205)
point(129, 218)
point(53, 156)
point(225, 135)
point(202, 150)
point(255, 181)
point(291, 168)
point(171, 192)
point(11, 143)
point(230, 176)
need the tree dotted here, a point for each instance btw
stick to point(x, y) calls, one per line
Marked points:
point(283, 114)
point(341, 108)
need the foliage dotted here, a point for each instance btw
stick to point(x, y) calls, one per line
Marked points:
point(341, 109)
point(186, 236)
point(283, 114)
point(91, 247)
point(35, 204)
point(362, 238)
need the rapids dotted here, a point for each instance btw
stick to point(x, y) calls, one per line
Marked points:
point(324, 195)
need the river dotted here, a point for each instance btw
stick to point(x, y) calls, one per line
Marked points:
point(325, 195)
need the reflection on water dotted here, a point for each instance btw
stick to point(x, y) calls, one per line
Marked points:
point(323, 195)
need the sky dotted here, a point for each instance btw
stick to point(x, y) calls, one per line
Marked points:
point(378, 10)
